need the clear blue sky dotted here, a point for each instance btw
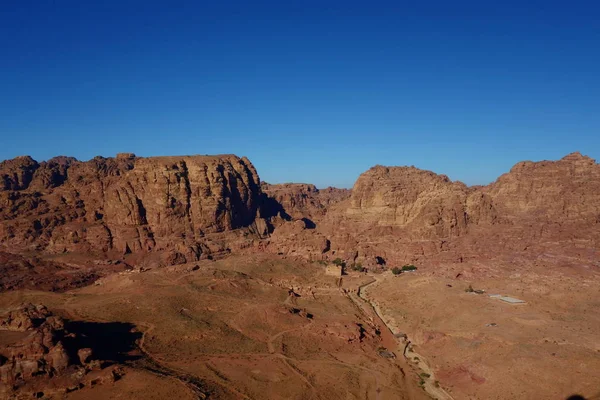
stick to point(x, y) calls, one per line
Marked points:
point(308, 92)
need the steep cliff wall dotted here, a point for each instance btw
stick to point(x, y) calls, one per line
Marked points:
point(403, 214)
point(125, 204)
point(567, 190)
point(302, 200)
point(425, 205)
point(192, 207)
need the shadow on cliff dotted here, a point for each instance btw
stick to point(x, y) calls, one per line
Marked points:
point(309, 223)
point(270, 208)
point(111, 342)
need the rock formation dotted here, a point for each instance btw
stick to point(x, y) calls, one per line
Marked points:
point(37, 349)
point(567, 190)
point(403, 214)
point(186, 208)
point(424, 204)
point(125, 204)
point(300, 200)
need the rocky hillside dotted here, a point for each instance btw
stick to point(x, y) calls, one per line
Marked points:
point(404, 214)
point(425, 204)
point(302, 200)
point(567, 190)
point(125, 204)
point(186, 208)
point(41, 350)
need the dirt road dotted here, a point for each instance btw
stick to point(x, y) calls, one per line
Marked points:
point(398, 345)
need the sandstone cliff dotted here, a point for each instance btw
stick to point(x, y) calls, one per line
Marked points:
point(125, 204)
point(563, 190)
point(186, 208)
point(301, 200)
point(404, 214)
point(425, 204)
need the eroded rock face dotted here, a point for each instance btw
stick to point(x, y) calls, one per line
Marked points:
point(403, 214)
point(36, 350)
point(292, 212)
point(125, 204)
point(301, 200)
point(296, 239)
point(425, 204)
point(187, 208)
point(40, 350)
point(563, 190)
point(16, 174)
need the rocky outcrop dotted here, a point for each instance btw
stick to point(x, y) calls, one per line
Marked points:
point(292, 212)
point(425, 204)
point(38, 350)
point(297, 239)
point(35, 349)
point(187, 208)
point(301, 200)
point(563, 190)
point(16, 174)
point(125, 204)
point(397, 215)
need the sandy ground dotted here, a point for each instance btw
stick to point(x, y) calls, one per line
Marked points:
point(241, 328)
point(483, 348)
point(261, 327)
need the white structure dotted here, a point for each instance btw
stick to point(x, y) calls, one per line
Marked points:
point(507, 299)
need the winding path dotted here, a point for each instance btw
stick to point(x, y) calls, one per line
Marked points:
point(435, 391)
point(371, 312)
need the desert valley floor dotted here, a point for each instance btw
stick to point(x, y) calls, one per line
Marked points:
point(188, 277)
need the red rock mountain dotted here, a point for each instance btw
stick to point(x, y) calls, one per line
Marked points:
point(424, 204)
point(125, 204)
point(567, 190)
point(403, 214)
point(187, 208)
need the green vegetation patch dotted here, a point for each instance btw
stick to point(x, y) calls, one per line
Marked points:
point(339, 262)
point(357, 267)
